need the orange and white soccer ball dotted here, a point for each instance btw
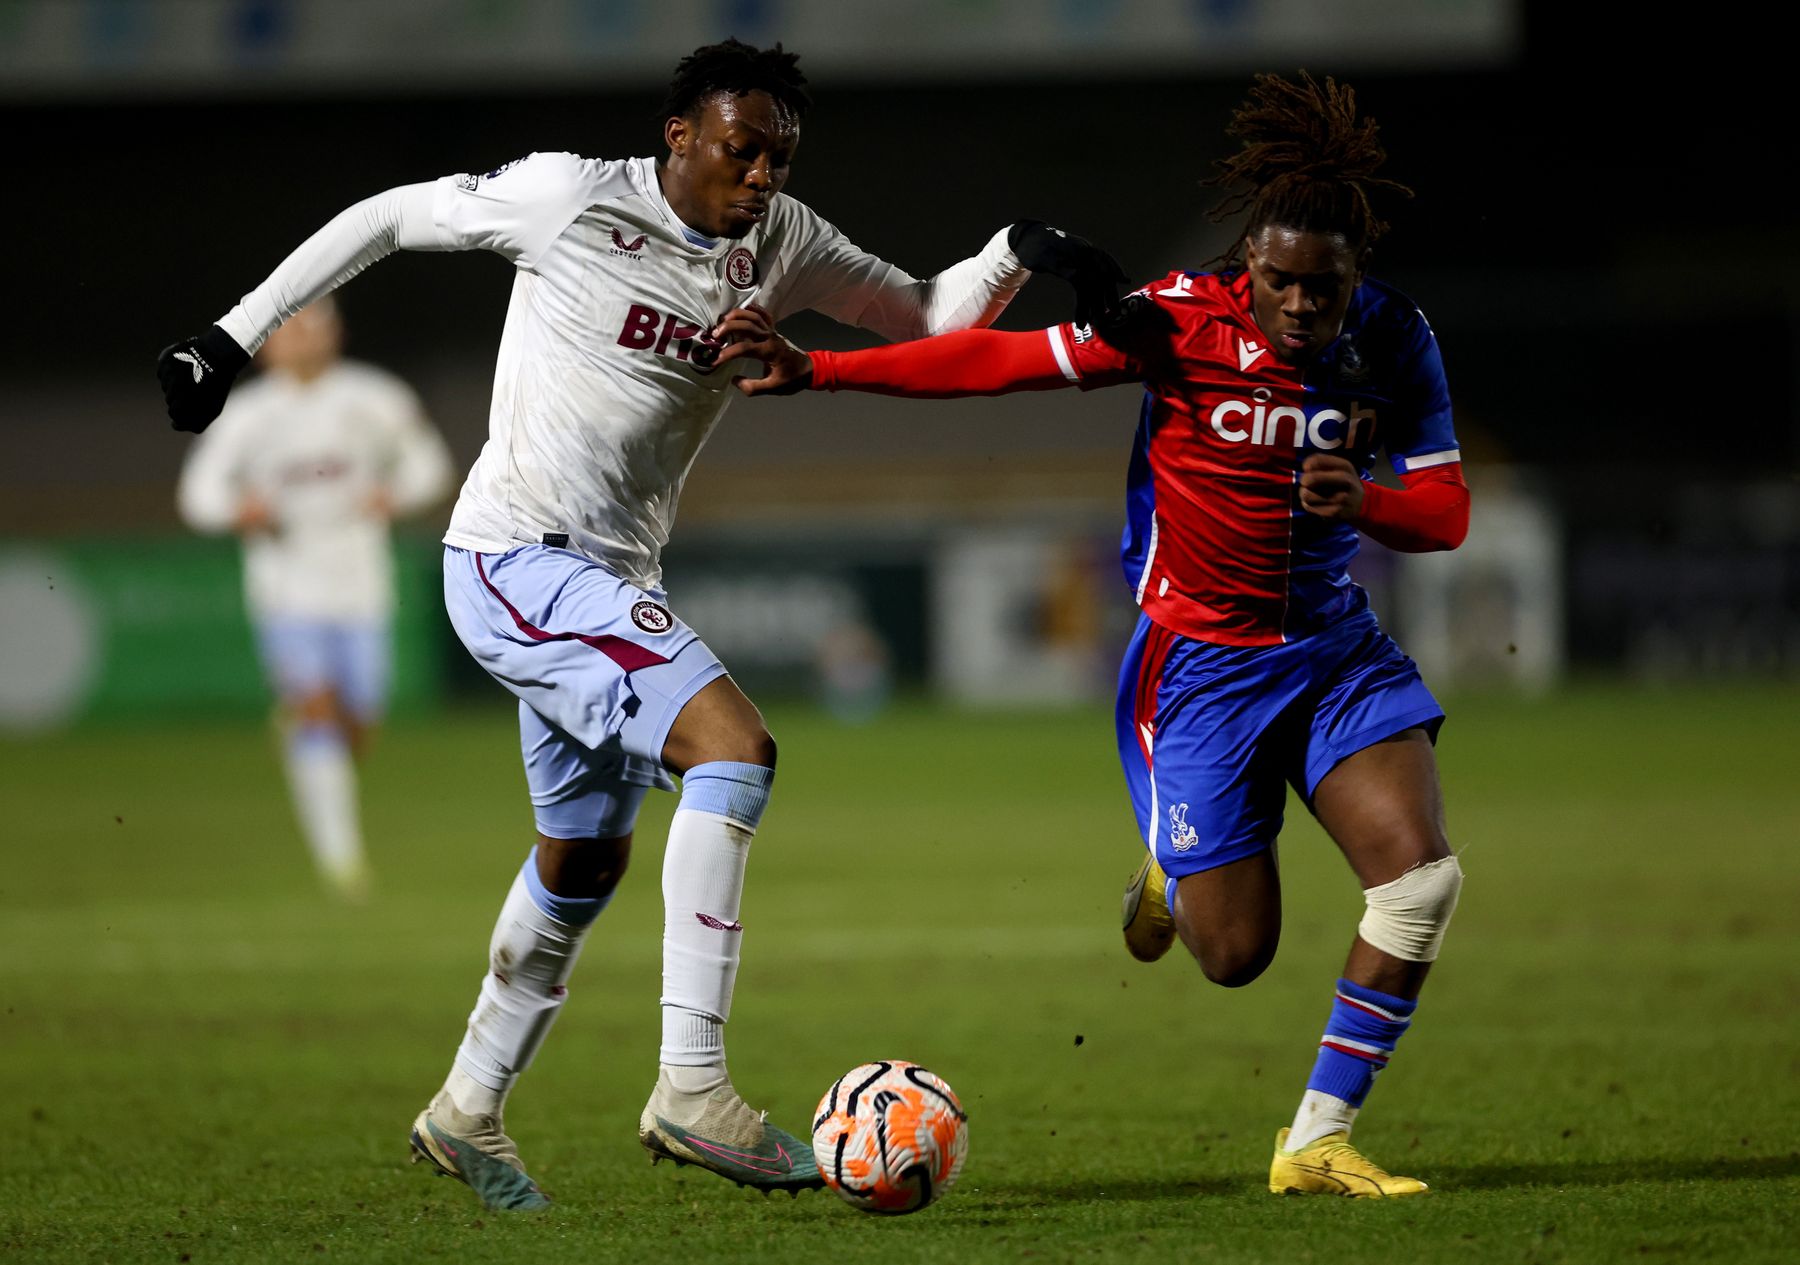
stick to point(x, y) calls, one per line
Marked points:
point(890, 1137)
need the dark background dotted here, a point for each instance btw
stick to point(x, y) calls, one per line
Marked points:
point(1606, 244)
point(1604, 237)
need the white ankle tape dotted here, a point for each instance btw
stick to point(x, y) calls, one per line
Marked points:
point(1407, 917)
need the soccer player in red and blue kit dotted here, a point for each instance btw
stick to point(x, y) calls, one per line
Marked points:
point(1271, 386)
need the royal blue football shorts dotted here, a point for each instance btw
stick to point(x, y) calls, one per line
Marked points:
point(1211, 736)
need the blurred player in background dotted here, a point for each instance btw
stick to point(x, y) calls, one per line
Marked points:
point(606, 387)
point(307, 465)
point(1271, 387)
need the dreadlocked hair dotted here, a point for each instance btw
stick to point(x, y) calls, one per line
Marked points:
point(1307, 163)
point(738, 68)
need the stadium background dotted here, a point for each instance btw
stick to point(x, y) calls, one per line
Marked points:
point(1572, 240)
point(1602, 241)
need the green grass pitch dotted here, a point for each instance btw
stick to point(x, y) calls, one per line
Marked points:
point(202, 1059)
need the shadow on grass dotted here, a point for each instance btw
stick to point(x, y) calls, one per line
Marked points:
point(1575, 1173)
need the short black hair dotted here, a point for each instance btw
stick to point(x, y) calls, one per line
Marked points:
point(738, 68)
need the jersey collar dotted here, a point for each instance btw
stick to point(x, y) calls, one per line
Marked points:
point(1239, 288)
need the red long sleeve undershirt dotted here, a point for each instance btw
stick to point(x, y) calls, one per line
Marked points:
point(968, 362)
point(1429, 512)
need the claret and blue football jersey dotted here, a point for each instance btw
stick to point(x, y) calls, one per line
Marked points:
point(1216, 546)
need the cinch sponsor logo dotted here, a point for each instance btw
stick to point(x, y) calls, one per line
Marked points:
point(646, 329)
point(1254, 422)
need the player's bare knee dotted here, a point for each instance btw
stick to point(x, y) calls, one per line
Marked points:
point(719, 728)
point(1230, 919)
point(1422, 844)
point(607, 881)
point(319, 707)
point(1233, 958)
point(1407, 918)
point(748, 744)
point(582, 868)
point(607, 871)
point(1235, 966)
point(762, 744)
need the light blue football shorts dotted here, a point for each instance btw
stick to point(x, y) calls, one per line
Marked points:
point(352, 659)
point(601, 669)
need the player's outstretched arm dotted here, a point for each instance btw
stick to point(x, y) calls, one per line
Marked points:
point(518, 210)
point(969, 362)
point(971, 294)
point(850, 285)
point(196, 374)
point(846, 283)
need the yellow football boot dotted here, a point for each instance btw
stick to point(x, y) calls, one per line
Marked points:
point(1149, 930)
point(1331, 1166)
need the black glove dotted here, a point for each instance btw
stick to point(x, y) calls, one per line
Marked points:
point(1136, 324)
point(1095, 274)
point(196, 374)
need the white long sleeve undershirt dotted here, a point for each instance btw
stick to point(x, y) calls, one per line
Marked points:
point(356, 237)
point(600, 401)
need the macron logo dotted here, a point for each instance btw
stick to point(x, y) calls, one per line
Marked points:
point(198, 364)
point(1248, 354)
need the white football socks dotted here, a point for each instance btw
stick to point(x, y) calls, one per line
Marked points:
point(703, 886)
point(529, 962)
point(1320, 1114)
point(538, 938)
point(322, 777)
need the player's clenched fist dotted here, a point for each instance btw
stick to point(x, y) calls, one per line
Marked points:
point(196, 374)
point(1330, 487)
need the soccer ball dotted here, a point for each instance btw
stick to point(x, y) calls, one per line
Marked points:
point(890, 1137)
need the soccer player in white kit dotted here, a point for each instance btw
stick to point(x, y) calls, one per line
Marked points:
point(605, 388)
point(308, 464)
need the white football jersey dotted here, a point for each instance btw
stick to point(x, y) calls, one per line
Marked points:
point(605, 386)
point(329, 458)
